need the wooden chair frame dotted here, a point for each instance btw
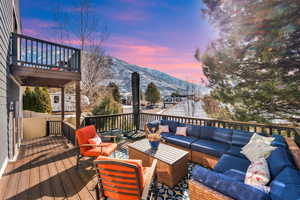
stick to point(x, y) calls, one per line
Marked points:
point(142, 194)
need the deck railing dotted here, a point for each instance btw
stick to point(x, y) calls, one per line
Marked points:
point(246, 126)
point(105, 123)
point(125, 122)
point(35, 53)
point(53, 127)
point(69, 132)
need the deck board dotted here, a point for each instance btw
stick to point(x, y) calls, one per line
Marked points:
point(46, 169)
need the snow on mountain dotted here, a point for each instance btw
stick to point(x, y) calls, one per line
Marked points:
point(121, 75)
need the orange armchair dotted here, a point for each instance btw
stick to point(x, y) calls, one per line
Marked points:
point(92, 150)
point(124, 179)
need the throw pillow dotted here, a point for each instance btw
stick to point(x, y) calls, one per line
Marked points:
point(181, 131)
point(256, 150)
point(163, 128)
point(258, 174)
point(258, 138)
point(95, 140)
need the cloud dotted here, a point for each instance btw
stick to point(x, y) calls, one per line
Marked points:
point(129, 16)
point(38, 23)
point(30, 31)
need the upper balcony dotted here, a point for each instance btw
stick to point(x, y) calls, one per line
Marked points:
point(36, 62)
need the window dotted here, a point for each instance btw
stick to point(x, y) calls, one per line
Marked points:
point(56, 99)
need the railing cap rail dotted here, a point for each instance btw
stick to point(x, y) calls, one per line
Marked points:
point(44, 41)
point(112, 115)
point(226, 121)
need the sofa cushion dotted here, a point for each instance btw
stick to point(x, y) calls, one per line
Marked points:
point(163, 129)
point(153, 124)
point(194, 131)
point(261, 138)
point(180, 140)
point(209, 147)
point(181, 131)
point(279, 159)
point(207, 132)
point(255, 150)
point(172, 125)
point(164, 134)
point(222, 135)
point(286, 185)
point(240, 138)
point(227, 162)
point(279, 141)
point(227, 185)
point(235, 151)
point(258, 174)
point(236, 175)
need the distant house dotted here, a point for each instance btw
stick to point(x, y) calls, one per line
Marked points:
point(126, 98)
point(70, 102)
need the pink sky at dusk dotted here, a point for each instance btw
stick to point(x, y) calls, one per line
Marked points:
point(161, 35)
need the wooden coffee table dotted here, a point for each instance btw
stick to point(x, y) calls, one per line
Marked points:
point(172, 163)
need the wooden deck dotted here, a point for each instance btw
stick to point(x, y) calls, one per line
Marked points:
point(46, 169)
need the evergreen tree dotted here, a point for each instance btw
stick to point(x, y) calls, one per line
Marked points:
point(254, 66)
point(152, 93)
point(28, 99)
point(114, 91)
point(108, 106)
point(37, 100)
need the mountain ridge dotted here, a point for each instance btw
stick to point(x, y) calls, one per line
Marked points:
point(167, 84)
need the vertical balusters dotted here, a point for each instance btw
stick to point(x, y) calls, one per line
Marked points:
point(26, 50)
point(46, 54)
point(51, 55)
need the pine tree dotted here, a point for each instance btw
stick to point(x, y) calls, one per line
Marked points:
point(254, 66)
point(108, 106)
point(152, 93)
point(114, 91)
point(28, 99)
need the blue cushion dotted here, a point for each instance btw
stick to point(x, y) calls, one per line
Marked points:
point(222, 135)
point(288, 176)
point(279, 141)
point(240, 138)
point(165, 134)
point(180, 140)
point(236, 175)
point(210, 147)
point(279, 159)
point(227, 162)
point(286, 185)
point(153, 124)
point(194, 131)
point(227, 185)
point(235, 151)
point(172, 124)
point(207, 132)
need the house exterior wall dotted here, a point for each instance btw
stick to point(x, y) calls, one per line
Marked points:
point(70, 101)
point(9, 22)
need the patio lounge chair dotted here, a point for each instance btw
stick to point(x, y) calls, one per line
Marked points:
point(92, 150)
point(123, 179)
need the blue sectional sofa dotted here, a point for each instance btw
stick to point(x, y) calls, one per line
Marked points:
point(219, 149)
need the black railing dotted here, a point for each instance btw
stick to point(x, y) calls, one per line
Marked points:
point(53, 127)
point(254, 127)
point(105, 123)
point(69, 132)
point(35, 53)
point(125, 122)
